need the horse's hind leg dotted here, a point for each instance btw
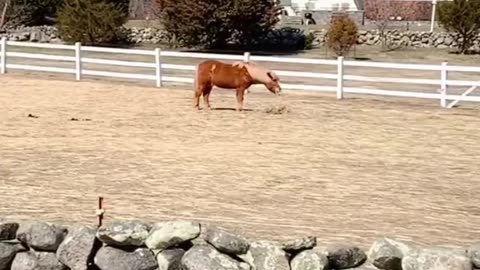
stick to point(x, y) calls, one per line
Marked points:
point(200, 82)
point(196, 98)
point(206, 96)
point(202, 89)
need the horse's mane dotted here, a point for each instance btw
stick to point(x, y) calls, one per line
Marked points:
point(242, 64)
point(258, 73)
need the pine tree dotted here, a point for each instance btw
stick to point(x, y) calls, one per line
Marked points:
point(462, 17)
point(91, 21)
point(214, 23)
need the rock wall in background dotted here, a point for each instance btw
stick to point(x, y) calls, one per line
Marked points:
point(366, 37)
point(417, 39)
point(185, 245)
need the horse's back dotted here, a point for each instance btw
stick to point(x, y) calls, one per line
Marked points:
point(216, 66)
point(222, 74)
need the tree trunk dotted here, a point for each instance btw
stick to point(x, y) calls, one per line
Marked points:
point(6, 5)
point(140, 9)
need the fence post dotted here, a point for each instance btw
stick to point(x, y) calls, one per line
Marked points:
point(78, 61)
point(158, 65)
point(340, 78)
point(3, 52)
point(443, 87)
point(246, 57)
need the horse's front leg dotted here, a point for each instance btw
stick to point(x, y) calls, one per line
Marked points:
point(240, 97)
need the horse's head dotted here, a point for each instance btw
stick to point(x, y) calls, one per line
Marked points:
point(273, 84)
point(261, 75)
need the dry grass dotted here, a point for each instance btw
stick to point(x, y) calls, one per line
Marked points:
point(350, 170)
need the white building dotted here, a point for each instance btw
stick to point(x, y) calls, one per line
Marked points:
point(351, 5)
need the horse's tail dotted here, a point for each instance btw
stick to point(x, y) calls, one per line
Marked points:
point(195, 78)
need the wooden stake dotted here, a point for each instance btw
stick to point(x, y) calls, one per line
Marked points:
point(100, 211)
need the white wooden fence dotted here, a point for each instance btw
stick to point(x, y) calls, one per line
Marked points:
point(442, 96)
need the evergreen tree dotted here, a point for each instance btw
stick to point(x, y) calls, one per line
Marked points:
point(462, 17)
point(214, 23)
point(91, 21)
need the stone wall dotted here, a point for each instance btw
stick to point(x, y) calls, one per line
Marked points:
point(184, 245)
point(417, 39)
point(366, 37)
point(43, 34)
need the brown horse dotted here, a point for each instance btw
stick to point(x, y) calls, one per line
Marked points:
point(239, 76)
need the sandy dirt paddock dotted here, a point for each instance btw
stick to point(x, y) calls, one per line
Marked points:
point(350, 170)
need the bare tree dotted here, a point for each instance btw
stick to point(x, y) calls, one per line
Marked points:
point(5, 5)
point(140, 9)
point(383, 12)
point(157, 7)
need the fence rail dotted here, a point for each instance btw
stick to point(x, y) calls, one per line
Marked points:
point(159, 66)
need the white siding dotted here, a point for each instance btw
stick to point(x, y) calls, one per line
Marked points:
point(324, 4)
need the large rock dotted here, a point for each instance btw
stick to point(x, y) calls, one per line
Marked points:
point(436, 259)
point(297, 245)
point(474, 253)
point(309, 260)
point(111, 258)
point(387, 254)
point(266, 255)
point(203, 257)
point(365, 266)
point(343, 257)
point(41, 236)
point(24, 36)
point(7, 253)
point(196, 241)
point(77, 248)
point(123, 233)
point(225, 241)
point(35, 260)
point(168, 234)
point(35, 36)
point(8, 230)
point(170, 259)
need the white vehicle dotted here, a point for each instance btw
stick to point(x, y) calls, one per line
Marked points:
point(287, 11)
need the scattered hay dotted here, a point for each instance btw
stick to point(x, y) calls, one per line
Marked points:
point(280, 109)
point(76, 119)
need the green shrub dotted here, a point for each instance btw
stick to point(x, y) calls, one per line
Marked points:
point(342, 35)
point(37, 12)
point(91, 22)
point(254, 19)
point(214, 24)
point(309, 40)
point(28, 12)
point(285, 39)
point(462, 17)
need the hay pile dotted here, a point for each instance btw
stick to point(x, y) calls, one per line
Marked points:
point(277, 109)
